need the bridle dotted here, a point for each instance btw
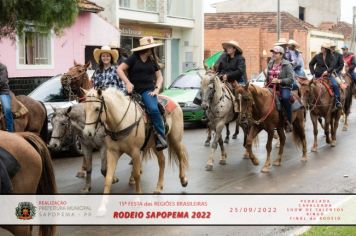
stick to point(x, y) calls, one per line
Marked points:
point(68, 81)
point(67, 128)
point(115, 135)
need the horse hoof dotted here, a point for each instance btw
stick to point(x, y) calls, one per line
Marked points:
point(226, 141)
point(314, 149)
point(184, 182)
point(344, 128)
point(157, 192)
point(333, 144)
point(265, 170)
point(115, 180)
point(132, 181)
point(207, 144)
point(255, 161)
point(234, 136)
point(85, 190)
point(80, 174)
point(246, 156)
point(304, 159)
point(222, 162)
point(277, 145)
point(209, 167)
point(277, 163)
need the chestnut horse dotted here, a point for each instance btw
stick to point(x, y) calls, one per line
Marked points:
point(258, 105)
point(36, 175)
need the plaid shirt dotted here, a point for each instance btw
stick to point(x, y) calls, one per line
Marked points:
point(108, 78)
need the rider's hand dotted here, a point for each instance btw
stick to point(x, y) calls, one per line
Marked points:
point(276, 81)
point(129, 88)
point(154, 92)
point(224, 77)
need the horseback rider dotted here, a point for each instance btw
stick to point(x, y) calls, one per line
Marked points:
point(339, 61)
point(322, 65)
point(296, 58)
point(284, 44)
point(231, 66)
point(145, 76)
point(350, 60)
point(280, 74)
point(6, 98)
point(105, 75)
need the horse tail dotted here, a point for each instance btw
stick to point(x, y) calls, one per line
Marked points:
point(44, 129)
point(348, 100)
point(47, 184)
point(178, 153)
point(298, 129)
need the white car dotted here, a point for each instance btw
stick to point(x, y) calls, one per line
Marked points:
point(51, 94)
point(259, 80)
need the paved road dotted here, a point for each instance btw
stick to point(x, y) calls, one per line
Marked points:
point(323, 173)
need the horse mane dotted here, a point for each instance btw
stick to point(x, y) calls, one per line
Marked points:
point(254, 89)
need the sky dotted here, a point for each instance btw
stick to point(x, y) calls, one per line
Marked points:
point(346, 8)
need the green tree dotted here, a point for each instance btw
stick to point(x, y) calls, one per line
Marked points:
point(40, 15)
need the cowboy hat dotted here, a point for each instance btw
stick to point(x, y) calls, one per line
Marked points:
point(281, 41)
point(332, 44)
point(277, 49)
point(232, 43)
point(325, 45)
point(293, 42)
point(114, 44)
point(113, 52)
point(146, 43)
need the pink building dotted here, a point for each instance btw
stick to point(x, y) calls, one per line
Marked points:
point(41, 56)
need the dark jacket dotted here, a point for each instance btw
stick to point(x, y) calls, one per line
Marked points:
point(4, 81)
point(286, 74)
point(234, 68)
point(320, 65)
point(339, 62)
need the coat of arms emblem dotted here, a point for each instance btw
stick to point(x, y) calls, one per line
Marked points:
point(25, 211)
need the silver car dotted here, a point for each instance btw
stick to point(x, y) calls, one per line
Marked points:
point(52, 95)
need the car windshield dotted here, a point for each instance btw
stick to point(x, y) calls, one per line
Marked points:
point(186, 81)
point(50, 91)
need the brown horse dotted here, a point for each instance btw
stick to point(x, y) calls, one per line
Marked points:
point(125, 126)
point(258, 105)
point(29, 115)
point(317, 98)
point(36, 175)
point(349, 91)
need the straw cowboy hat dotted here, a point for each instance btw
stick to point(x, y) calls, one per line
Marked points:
point(332, 44)
point(146, 43)
point(281, 41)
point(232, 43)
point(114, 44)
point(113, 52)
point(293, 42)
point(325, 45)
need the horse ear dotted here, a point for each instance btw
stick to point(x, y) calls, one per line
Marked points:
point(69, 110)
point(75, 63)
point(87, 65)
point(206, 67)
point(246, 86)
point(100, 92)
point(84, 90)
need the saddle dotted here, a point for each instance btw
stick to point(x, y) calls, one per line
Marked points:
point(9, 166)
point(294, 100)
point(18, 109)
point(327, 85)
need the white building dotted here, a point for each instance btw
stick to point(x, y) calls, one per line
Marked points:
point(179, 24)
point(312, 11)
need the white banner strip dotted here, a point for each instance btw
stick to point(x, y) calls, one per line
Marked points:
point(178, 209)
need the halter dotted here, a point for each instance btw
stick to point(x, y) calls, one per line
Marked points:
point(68, 83)
point(115, 135)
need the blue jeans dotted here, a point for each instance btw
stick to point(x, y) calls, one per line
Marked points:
point(6, 107)
point(335, 87)
point(353, 75)
point(151, 104)
point(285, 96)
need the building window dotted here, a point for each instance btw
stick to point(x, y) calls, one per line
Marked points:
point(35, 49)
point(301, 13)
point(180, 8)
point(125, 3)
point(143, 5)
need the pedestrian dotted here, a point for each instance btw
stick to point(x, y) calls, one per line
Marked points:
point(6, 98)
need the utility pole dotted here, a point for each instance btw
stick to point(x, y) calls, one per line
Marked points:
point(353, 30)
point(278, 20)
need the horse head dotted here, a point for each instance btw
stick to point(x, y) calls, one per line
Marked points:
point(61, 128)
point(245, 98)
point(305, 89)
point(76, 78)
point(207, 89)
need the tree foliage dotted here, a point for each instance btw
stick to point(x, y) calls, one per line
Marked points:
point(41, 15)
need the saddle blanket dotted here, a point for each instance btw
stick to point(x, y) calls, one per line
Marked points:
point(168, 104)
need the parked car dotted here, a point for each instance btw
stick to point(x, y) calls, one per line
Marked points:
point(259, 80)
point(52, 95)
point(183, 90)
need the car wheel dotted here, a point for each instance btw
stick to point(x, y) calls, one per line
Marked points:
point(76, 146)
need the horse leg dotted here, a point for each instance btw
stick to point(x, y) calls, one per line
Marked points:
point(23, 230)
point(282, 141)
point(227, 138)
point(314, 120)
point(81, 173)
point(346, 122)
point(267, 164)
point(335, 121)
point(237, 129)
point(161, 164)
point(112, 158)
point(223, 152)
point(104, 164)
point(136, 161)
point(88, 156)
point(207, 141)
point(179, 150)
point(209, 164)
point(245, 130)
point(251, 136)
point(327, 128)
point(275, 136)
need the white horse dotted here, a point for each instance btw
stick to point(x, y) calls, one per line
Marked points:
point(125, 124)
